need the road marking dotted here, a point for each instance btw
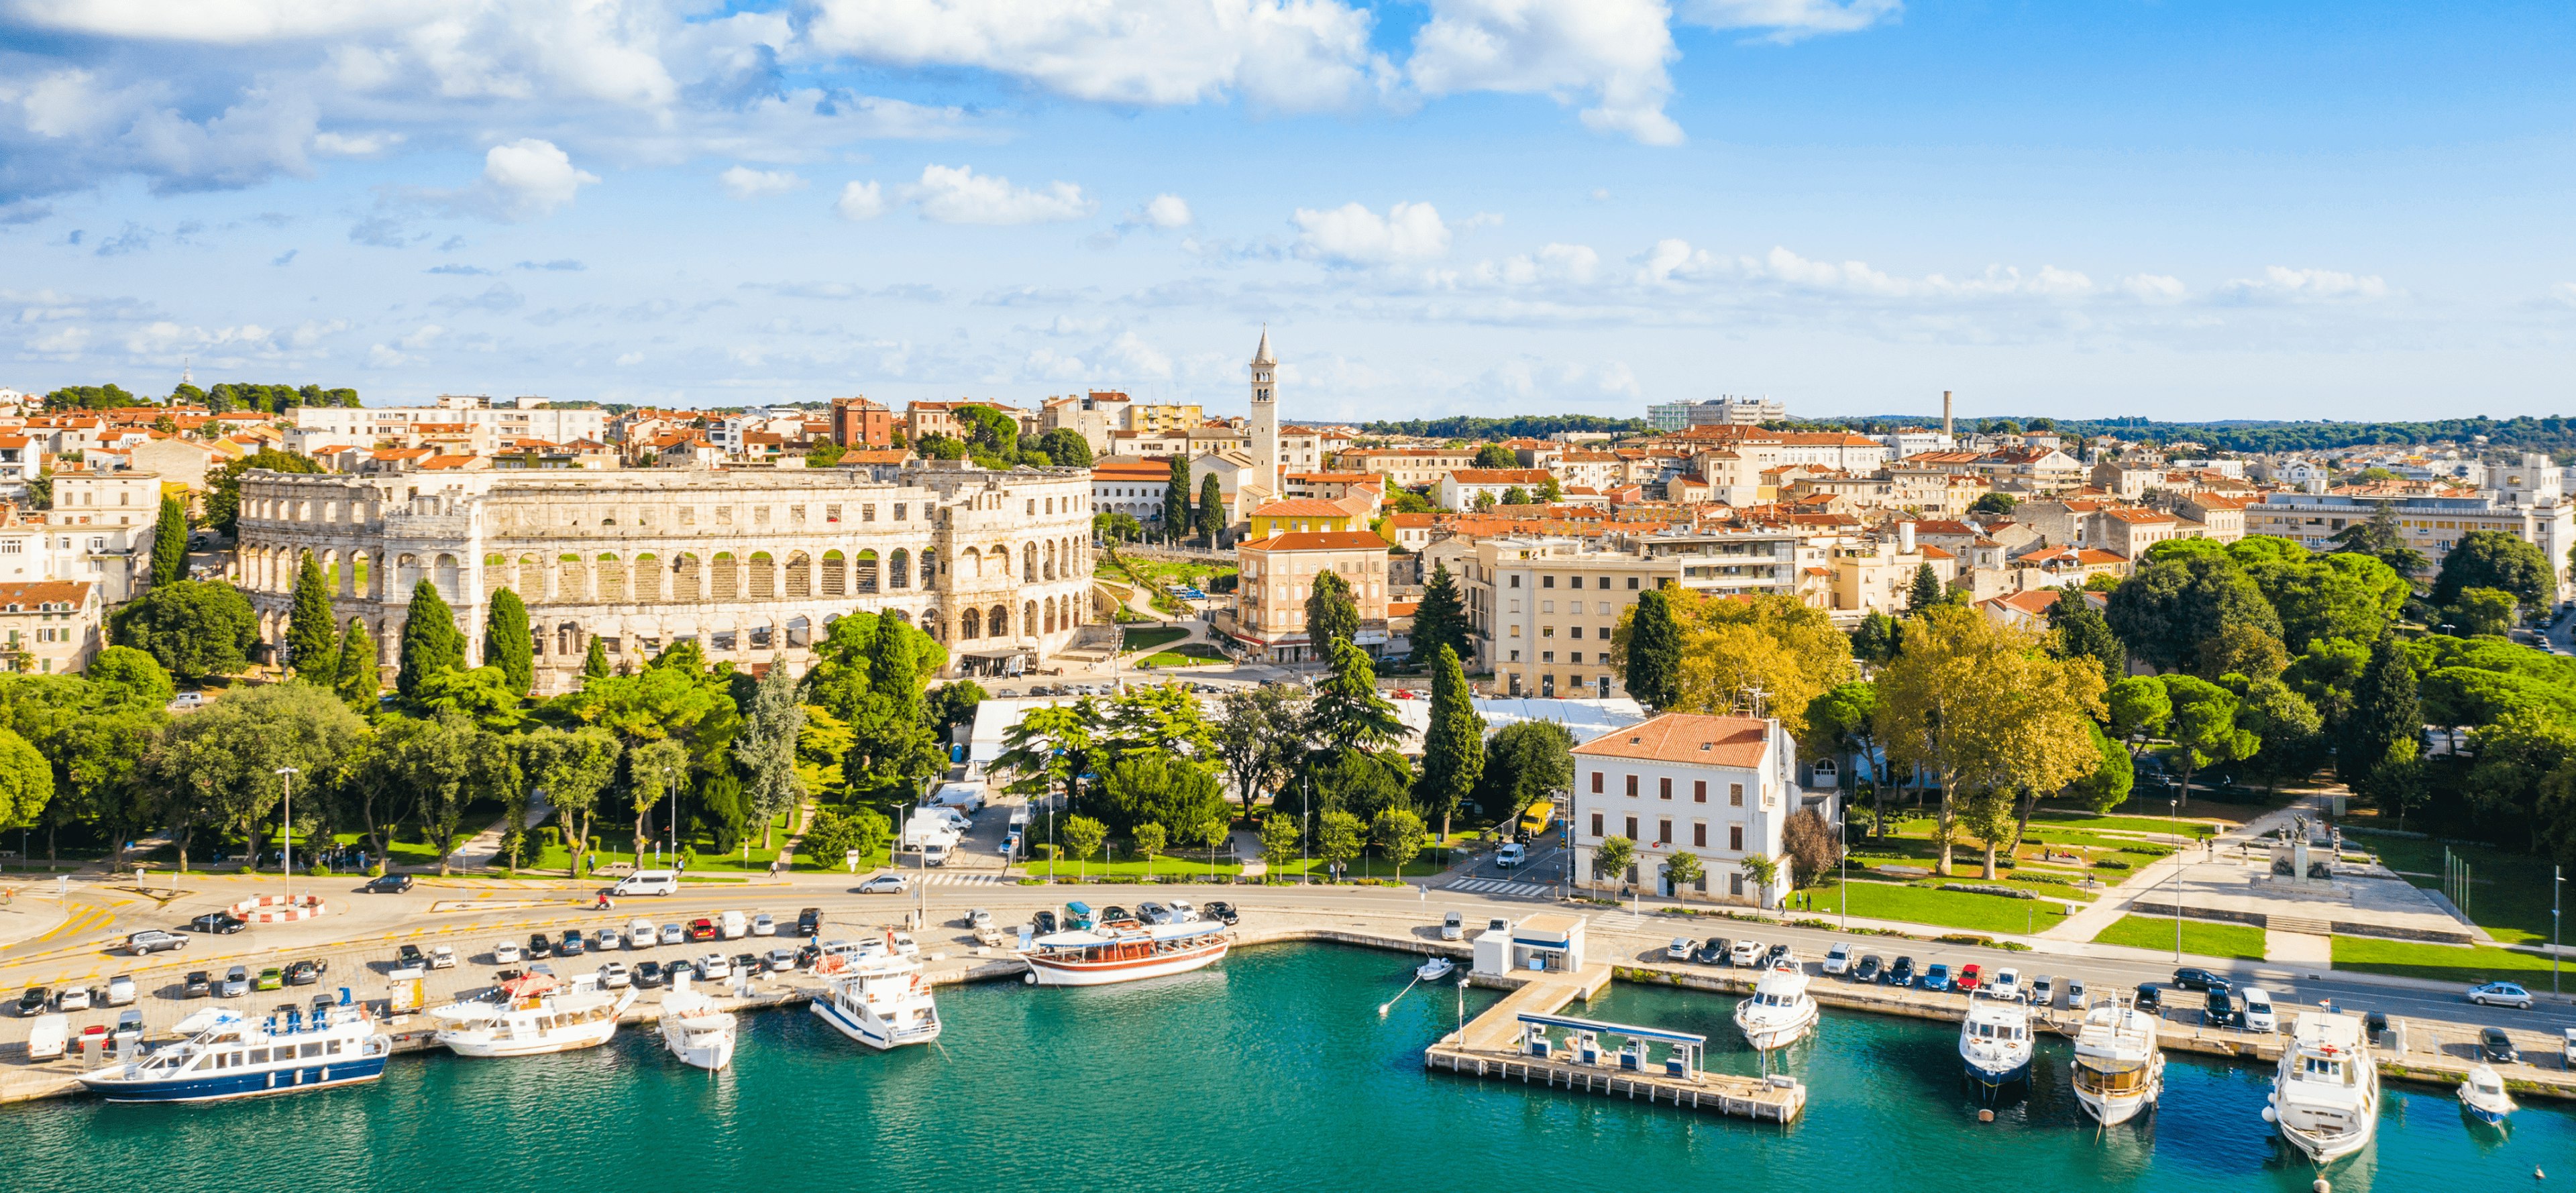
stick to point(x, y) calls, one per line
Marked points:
point(1496, 886)
point(972, 880)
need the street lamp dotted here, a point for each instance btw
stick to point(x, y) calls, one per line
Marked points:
point(286, 782)
point(2173, 804)
point(2555, 881)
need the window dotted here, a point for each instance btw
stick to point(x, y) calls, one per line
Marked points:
point(899, 511)
point(1596, 783)
point(1632, 828)
point(1632, 786)
point(1699, 791)
point(1632, 584)
point(832, 514)
point(1735, 837)
point(1596, 818)
point(1547, 581)
point(868, 513)
point(1605, 582)
point(1516, 580)
point(796, 514)
point(1735, 795)
point(1699, 834)
point(1663, 832)
point(724, 515)
point(1663, 788)
point(1574, 632)
point(1033, 507)
point(1516, 655)
point(760, 515)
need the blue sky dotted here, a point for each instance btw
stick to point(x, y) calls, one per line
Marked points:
point(2179, 209)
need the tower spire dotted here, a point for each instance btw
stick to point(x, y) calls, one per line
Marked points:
point(1261, 355)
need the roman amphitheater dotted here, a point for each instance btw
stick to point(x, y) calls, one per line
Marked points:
point(750, 563)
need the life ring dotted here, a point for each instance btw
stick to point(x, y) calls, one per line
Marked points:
point(1030, 978)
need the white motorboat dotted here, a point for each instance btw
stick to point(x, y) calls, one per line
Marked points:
point(1779, 1012)
point(226, 1055)
point(528, 1016)
point(1124, 952)
point(1435, 969)
point(2325, 1098)
point(2119, 1066)
point(694, 1028)
point(2483, 1095)
point(1994, 1040)
point(879, 999)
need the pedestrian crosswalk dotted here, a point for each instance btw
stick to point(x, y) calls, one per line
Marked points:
point(1496, 886)
point(970, 879)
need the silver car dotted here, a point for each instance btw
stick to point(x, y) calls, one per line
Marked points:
point(674, 934)
point(607, 940)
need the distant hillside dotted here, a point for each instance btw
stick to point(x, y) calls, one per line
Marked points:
point(1530, 426)
point(2555, 435)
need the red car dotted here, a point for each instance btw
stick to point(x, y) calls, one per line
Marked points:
point(1967, 978)
point(702, 929)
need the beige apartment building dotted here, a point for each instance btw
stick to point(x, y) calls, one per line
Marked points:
point(1278, 573)
point(1408, 467)
point(49, 627)
point(1542, 611)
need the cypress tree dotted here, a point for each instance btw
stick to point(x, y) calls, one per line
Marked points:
point(358, 679)
point(2386, 725)
point(170, 543)
point(1176, 499)
point(311, 648)
point(1440, 621)
point(430, 640)
point(1453, 748)
point(1211, 511)
point(506, 644)
point(594, 663)
point(1654, 651)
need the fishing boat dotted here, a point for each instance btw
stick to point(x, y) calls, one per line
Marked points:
point(1779, 1012)
point(226, 1055)
point(879, 999)
point(694, 1028)
point(2119, 1067)
point(1124, 951)
point(1434, 969)
point(2325, 1098)
point(1994, 1040)
point(2483, 1096)
point(528, 1016)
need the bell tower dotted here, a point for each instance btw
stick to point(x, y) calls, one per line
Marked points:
point(1265, 415)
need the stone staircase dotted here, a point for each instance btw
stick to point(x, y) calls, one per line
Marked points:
point(2298, 925)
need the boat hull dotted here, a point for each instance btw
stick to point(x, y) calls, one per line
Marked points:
point(222, 1087)
point(1994, 1074)
point(565, 1039)
point(1773, 1036)
point(2488, 1115)
point(872, 1031)
point(2113, 1109)
point(2325, 1149)
point(701, 1049)
point(1052, 972)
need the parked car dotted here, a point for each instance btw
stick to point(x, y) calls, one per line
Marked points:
point(979, 920)
point(674, 934)
point(1747, 953)
point(236, 982)
point(2043, 990)
point(271, 978)
point(2198, 979)
point(2495, 1047)
point(387, 884)
point(1453, 926)
point(1113, 913)
point(781, 960)
point(732, 926)
point(615, 976)
point(442, 957)
point(72, 998)
point(2220, 1010)
point(409, 956)
point(749, 965)
point(539, 947)
point(320, 1004)
point(1937, 977)
point(764, 925)
point(1777, 954)
point(1713, 951)
point(2150, 997)
point(153, 940)
point(2501, 994)
point(882, 884)
point(1838, 959)
point(1969, 978)
point(129, 1027)
point(639, 933)
point(701, 928)
point(216, 923)
point(2375, 1022)
point(713, 966)
point(198, 984)
point(1043, 922)
point(1511, 854)
point(1901, 973)
point(1680, 949)
point(308, 971)
point(648, 975)
point(572, 945)
point(2006, 983)
point(2075, 993)
point(2256, 1010)
point(506, 953)
point(120, 990)
point(1153, 913)
point(809, 921)
point(1865, 971)
point(607, 940)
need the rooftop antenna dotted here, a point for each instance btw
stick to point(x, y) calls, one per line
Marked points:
point(187, 376)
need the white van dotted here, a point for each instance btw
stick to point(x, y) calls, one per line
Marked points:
point(2259, 1015)
point(967, 797)
point(46, 1039)
point(934, 852)
point(733, 925)
point(648, 882)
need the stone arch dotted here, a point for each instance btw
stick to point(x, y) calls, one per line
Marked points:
point(800, 579)
point(1028, 563)
point(966, 623)
point(572, 580)
point(1028, 619)
point(836, 574)
point(764, 576)
point(406, 575)
point(1047, 609)
point(866, 578)
point(800, 632)
point(356, 582)
point(1050, 559)
point(532, 577)
point(611, 577)
point(970, 563)
point(646, 577)
point(899, 569)
point(688, 579)
point(449, 576)
point(726, 577)
point(496, 574)
point(997, 622)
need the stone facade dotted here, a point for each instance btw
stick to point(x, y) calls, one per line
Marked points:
point(751, 563)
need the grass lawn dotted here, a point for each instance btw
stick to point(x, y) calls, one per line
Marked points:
point(2185, 827)
point(2199, 937)
point(2508, 892)
point(2441, 962)
point(1195, 654)
point(1948, 909)
point(1145, 639)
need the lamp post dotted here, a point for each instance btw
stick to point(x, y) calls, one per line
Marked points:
point(2555, 881)
point(286, 839)
point(2174, 806)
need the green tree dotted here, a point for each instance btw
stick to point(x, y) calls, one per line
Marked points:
point(1211, 509)
point(1654, 652)
point(2515, 758)
point(1361, 782)
point(1873, 641)
point(1684, 870)
point(654, 769)
point(1050, 747)
point(1150, 840)
point(1612, 857)
point(1495, 455)
point(1279, 840)
point(2483, 612)
point(1440, 620)
point(1339, 839)
point(2173, 606)
point(1842, 722)
point(1332, 617)
point(2292, 732)
point(1992, 503)
point(2383, 538)
point(2207, 727)
point(357, 679)
point(26, 782)
point(482, 694)
point(594, 661)
point(1515, 495)
point(1484, 500)
point(953, 705)
point(170, 542)
point(507, 643)
point(1347, 712)
point(309, 640)
point(573, 767)
point(2377, 751)
point(1398, 835)
point(765, 749)
point(1066, 447)
point(1176, 499)
point(1927, 590)
point(218, 766)
point(1116, 527)
point(823, 453)
point(1453, 748)
point(2139, 707)
point(1260, 737)
point(431, 642)
point(196, 629)
point(1551, 490)
point(2080, 630)
point(1150, 788)
point(2113, 776)
point(1082, 838)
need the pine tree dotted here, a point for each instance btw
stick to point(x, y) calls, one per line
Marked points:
point(1453, 748)
point(1347, 713)
point(506, 643)
point(430, 640)
point(2383, 734)
point(765, 749)
point(358, 679)
point(1176, 500)
point(1654, 651)
point(1211, 511)
point(1440, 621)
point(170, 542)
point(309, 641)
point(1926, 592)
point(594, 662)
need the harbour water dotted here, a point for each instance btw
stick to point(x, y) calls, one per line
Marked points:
point(1272, 1068)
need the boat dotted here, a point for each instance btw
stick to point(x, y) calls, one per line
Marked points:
point(1779, 1012)
point(1434, 969)
point(1994, 1039)
point(695, 1029)
point(879, 999)
point(2483, 1095)
point(1124, 951)
point(2119, 1066)
point(227, 1055)
point(2325, 1098)
point(528, 1016)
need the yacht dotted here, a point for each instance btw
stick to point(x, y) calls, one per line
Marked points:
point(2119, 1066)
point(2483, 1095)
point(2325, 1099)
point(530, 1015)
point(1779, 1012)
point(881, 1000)
point(1435, 969)
point(1124, 951)
point(1994, 1040)
point(226, 1055)
point(695, 1029)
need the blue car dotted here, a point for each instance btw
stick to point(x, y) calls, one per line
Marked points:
point(1936, 977)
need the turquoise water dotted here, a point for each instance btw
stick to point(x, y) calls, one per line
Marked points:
point(1272, 1068)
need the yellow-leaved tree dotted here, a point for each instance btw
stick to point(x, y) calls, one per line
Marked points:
point(1734, 647)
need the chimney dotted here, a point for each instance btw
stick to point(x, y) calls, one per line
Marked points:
point(1945, 415)
point(1905, 538)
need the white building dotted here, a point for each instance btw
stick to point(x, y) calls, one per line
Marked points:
point(489, 419)
point(1730, 410)
point(99, 531)
point(1719, 787)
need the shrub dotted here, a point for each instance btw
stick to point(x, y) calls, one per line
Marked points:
point(2110, 863)
point(1974, 888)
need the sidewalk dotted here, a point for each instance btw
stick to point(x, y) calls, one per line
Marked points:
point(2089, 922)
point(483, 851)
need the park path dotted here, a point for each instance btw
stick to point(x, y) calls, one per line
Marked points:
point(483, 850)
point(2088, 923)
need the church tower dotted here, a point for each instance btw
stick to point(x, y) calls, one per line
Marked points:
point(1265, 416)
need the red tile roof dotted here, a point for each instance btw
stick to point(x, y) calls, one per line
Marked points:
point(1691, 738)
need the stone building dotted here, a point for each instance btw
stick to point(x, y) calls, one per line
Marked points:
point(749, 563)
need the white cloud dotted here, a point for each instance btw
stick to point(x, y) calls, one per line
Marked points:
point(529, 178)
point(381, 357)
point(2154, 287)
point(958, 195)
point(1134, 357)
point(2564, 293)
point(1674, 260)
point(1165, 211)
point(2283, 284)
point(1791, 20)
point(1611, 52)
point(743, 182)
point(1354, 235)
point(860, 201)
point(355, 144)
